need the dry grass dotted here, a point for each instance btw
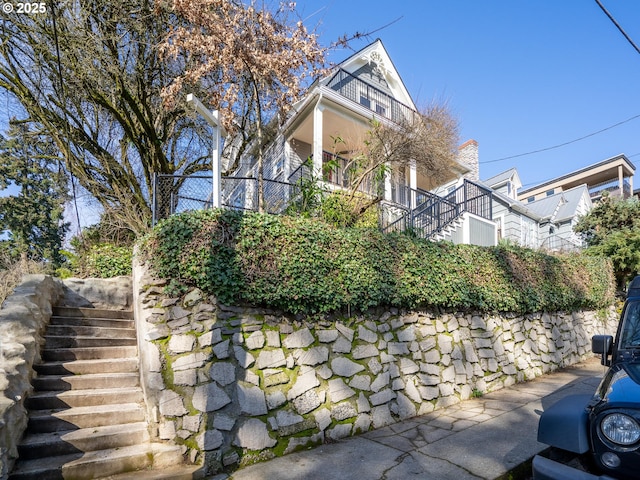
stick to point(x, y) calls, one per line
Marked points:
point(12, 272)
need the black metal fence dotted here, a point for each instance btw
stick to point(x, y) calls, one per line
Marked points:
point(180, 193)
point(383, 104)
point(421, 211)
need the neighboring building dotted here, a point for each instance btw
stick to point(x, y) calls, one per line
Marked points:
point(546, 223)
point(614, 175)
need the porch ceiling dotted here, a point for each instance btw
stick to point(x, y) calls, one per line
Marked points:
point(333, 125)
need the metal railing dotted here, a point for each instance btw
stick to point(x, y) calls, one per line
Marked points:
point(342, 172)
point(555, 243)
point(432, 213)
point(435, 213)
point(379, 102)
point(613, 187)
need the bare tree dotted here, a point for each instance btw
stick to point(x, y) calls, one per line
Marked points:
point(88, 73)
point(252, 60)
point(427, 140)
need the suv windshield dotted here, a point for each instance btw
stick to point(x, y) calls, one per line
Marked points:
point(630, 334)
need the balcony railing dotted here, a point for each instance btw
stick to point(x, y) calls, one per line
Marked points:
point(342, 172)
point(613, 187)
point(376, 100)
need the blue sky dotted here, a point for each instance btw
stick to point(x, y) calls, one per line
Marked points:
point(519, 75)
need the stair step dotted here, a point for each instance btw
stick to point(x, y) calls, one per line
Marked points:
point(56, 400)
point(95, 464)
point(82, 440)
point(84, 382)
point(62, 354)
point(86, 414)
point(78, 367)
point(91, 313)
point(83, 342)
point(186, 472)
point(89, 331)
point(43, 421)
point(92, 322)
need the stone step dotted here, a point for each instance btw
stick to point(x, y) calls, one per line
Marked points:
point(79, 367)
point(89, 331)
point(84, 342)
point(96, 353)
point(184, 472)
point(86, 381)
point(43, 421)
point(56, 400)
point(92, 322)
point(91, 313)
point(82, 440)
point(95, 464)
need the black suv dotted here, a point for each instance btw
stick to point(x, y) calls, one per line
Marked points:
point(603, 428)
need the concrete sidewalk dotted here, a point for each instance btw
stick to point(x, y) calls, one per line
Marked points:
point(481, 438)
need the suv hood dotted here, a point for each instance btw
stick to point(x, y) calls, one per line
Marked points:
point(621, 385)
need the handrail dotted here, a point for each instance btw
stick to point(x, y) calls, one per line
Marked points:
point(370, 96)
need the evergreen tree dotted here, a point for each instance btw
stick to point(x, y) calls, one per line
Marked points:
point(34, 184)
point(612, 229)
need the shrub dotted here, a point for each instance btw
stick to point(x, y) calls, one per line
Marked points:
point(11, 273)
point(106, 261)
point(307, 266)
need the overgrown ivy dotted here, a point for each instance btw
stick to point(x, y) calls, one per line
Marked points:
point(307, 266)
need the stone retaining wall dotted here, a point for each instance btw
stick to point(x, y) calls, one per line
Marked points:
point(237, 385)
point(23, 319)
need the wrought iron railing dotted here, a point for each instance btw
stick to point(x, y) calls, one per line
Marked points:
point(435, 213)
point(376, 100)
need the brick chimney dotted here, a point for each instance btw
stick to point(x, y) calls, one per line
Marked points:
point(468, 156)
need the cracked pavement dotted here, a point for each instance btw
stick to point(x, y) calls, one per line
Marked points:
point(480, 438)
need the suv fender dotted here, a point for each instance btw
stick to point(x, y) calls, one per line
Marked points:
point(564, 424)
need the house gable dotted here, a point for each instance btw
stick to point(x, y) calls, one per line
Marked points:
point(507, 183)
point(373, 65)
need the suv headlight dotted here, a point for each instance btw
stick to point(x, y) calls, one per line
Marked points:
point(620, 429)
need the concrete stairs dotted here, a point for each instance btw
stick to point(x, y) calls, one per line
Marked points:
point(86, 414)
point(447, 232)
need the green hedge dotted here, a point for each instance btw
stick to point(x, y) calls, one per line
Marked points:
point(306, 266)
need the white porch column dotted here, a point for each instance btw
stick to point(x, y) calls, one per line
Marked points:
point(387, 185)
point(621, 181)
point(317, 141)
point(413, 182)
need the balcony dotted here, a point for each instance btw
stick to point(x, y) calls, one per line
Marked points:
point(380, 103)
point(613, 187)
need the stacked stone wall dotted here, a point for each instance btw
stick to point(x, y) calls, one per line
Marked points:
point(23, 319)
point(236, 385)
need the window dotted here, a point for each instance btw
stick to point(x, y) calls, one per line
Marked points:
point(279, 167)
point(372, 101)
point(630, 336)
point(550, 192)
point(531, 199)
